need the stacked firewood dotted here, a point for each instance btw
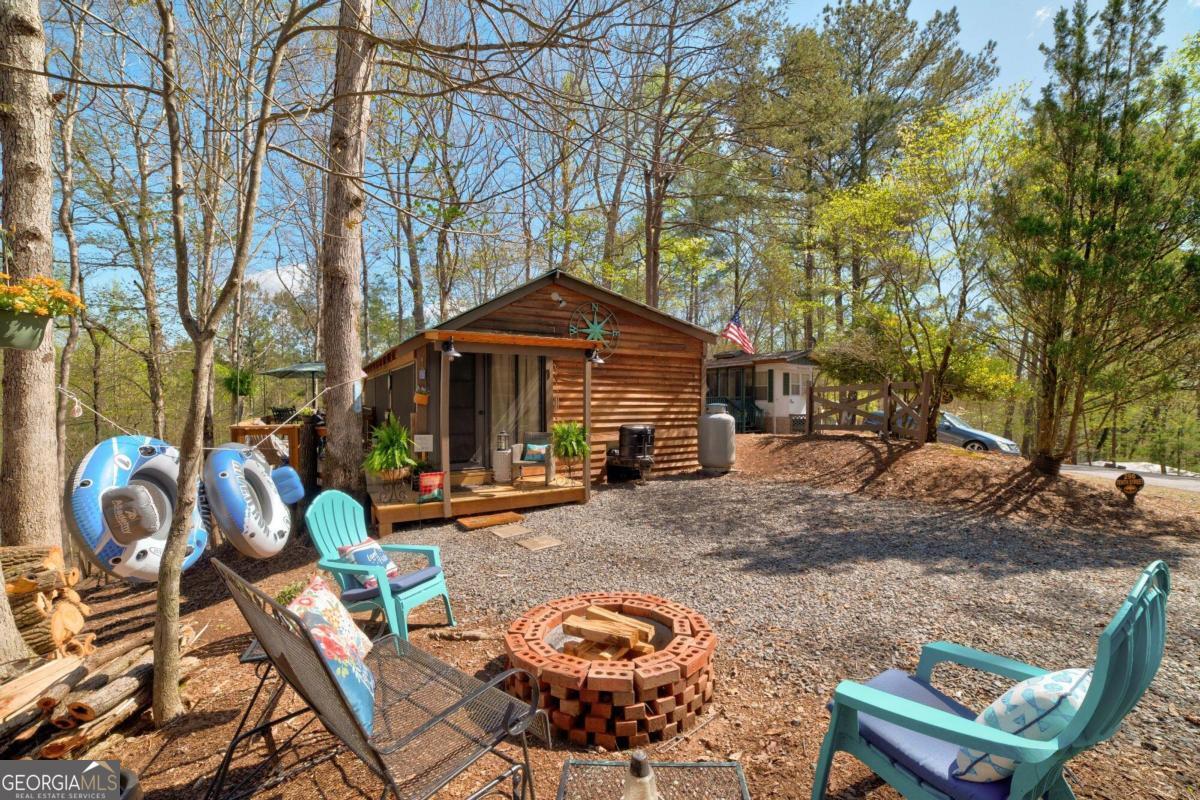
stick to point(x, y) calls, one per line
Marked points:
point(47, 609)
point(64, 707)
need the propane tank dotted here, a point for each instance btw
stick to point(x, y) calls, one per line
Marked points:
point(639, 781)
point(716, 438)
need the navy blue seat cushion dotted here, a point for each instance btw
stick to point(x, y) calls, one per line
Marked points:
point(928, 758)
point(400, 583)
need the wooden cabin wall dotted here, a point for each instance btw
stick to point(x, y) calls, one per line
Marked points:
point(655, 376)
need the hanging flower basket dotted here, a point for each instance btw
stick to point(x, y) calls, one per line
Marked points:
point(26, 308)
point(22, 331)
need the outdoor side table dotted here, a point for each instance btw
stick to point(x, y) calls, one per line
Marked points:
point(703, 780)
point(502, 467)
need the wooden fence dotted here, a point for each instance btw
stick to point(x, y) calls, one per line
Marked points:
point(891, 408)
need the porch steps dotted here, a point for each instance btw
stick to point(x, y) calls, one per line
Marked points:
point(478, 521)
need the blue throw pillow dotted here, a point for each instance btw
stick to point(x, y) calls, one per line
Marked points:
point(536, 452)
point(1038, 708)
point(353, 677)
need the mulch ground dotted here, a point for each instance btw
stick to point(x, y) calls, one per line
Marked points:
point(977, 483)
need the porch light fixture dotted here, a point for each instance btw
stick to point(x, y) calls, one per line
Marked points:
point(594, 357)
point(448, 349)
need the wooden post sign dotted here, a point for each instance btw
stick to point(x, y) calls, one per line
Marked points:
point(1130, 483)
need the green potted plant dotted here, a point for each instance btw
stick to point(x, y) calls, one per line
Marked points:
point(570, 443)
point(27, 306)
point(390, 456)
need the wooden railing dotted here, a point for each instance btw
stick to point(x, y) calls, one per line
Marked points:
point(890, 408)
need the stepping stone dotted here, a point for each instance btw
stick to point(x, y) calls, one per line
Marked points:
point(489, 520)
point(536, 543)
point(510, 531)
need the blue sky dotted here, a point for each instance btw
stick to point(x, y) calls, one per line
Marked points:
point(1017, 27)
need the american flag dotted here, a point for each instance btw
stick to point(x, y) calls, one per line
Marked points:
point(735, 333)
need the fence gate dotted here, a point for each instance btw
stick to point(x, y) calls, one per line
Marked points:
point(891, 408)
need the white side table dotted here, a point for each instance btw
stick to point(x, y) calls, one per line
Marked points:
point(502, 466)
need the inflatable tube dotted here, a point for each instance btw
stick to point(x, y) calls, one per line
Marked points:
point(245, 500)
point(118, 505)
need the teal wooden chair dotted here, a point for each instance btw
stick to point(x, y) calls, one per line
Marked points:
point(335, 520)
point(908, 732)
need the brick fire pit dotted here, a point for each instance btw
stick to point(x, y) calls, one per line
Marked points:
point(616, 704)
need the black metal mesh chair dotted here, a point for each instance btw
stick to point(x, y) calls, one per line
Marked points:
point(431, 721)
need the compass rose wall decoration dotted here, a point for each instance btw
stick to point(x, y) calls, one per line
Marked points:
point(595, 323)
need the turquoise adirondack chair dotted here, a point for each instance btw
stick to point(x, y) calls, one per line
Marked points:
point(908, 732)
point(335, 520)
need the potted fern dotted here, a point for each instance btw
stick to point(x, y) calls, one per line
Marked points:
point(569, 440)
point(390, 457)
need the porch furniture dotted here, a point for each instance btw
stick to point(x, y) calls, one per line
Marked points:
point(521, 464)
point(705, 780)
point(909, 733)
point(335, 520)
point(431, 721)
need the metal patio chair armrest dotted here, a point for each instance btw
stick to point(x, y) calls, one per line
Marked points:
point(431, 552)
point(943, 725)
point(514, 728)
point(936, 653)
point(338, 566)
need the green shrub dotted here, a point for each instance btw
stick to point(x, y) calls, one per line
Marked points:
point(569, 440)
point(391, 447)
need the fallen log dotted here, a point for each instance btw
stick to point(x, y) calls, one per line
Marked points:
point(86, 706)
point(43, 579)
point(86, 736)
point(60, 714)
point(25, 688)
point(18, 720)
point(19, 559)
point(12, 669)
point(94, 663)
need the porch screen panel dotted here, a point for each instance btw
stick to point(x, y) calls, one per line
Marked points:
point(503, 398)
point(530, 389)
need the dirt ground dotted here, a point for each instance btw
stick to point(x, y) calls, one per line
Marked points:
point(977, 483)
point(774, 729)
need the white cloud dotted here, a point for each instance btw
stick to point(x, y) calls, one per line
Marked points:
point(291, 277)
point(1043, 15)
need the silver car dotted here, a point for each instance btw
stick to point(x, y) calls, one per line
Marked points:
point(954, 430)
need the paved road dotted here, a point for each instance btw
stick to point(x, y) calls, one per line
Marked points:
point(1181, 482)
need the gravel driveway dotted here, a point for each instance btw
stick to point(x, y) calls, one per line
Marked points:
point(816, 586)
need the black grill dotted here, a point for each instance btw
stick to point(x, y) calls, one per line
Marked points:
point(633, 457)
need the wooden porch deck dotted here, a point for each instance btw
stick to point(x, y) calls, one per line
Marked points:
point(487, 498)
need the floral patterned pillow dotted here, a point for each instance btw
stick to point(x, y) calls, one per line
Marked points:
point(318, 598)
point(353, 677)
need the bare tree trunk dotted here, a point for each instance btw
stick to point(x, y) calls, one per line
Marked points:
point(29, 464)
point(1010, 405)
point(96, 404)
point(341, 253)
point(66, 223)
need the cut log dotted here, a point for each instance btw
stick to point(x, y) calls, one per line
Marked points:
point(86, 706)
point(86, 736)
point(81, 645)
point(44, 579)
point(18, 720)
point(51, 633)
point(25, 688)
point(95, 663)
point(20, 559)
point(60, 714)
point(594, 630)
point(645, 629)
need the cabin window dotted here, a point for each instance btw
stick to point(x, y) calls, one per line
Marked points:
point(787, 384)
point(517, 396)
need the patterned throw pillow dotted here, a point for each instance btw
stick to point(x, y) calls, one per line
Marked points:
point(368, 552)
point(318, 598)
point(1038, 708)
point(536, 452)
point(353, 677)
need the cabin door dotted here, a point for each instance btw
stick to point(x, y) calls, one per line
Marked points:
point(467, 412)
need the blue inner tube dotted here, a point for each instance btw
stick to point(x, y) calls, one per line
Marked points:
point(119, 502)
point(245, 500)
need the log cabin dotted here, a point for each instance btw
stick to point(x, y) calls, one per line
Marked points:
point(477, 388)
